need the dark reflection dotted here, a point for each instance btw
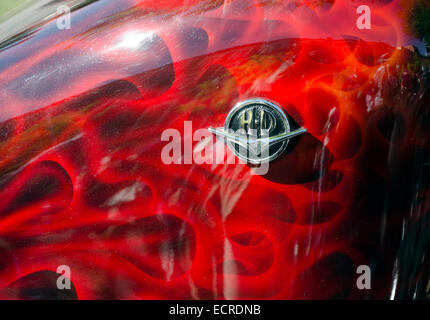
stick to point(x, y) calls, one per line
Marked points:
point(414, 250)
point(120, 89)
point(305, 160)
point(332, 277)
point(318, 212)
point(6, 130)
point(193, 41)
point(326, 183)
point(41, 285)
point(48, 179)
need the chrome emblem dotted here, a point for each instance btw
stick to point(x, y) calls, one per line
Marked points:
point(257, 131)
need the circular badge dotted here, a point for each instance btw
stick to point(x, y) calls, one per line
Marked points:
point(257, 131)
point(255, 121)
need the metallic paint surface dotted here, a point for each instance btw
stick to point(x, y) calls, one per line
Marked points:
point(82, 182)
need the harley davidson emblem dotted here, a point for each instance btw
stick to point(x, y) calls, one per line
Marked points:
point(257, 131)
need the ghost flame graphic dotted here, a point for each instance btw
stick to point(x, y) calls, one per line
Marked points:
point(82, 183)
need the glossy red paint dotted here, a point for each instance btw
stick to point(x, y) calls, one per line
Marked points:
point(82, 182)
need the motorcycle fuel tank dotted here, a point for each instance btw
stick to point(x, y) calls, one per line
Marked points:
point(215, 149)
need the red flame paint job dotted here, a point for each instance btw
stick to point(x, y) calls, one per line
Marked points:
point(82, 182)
